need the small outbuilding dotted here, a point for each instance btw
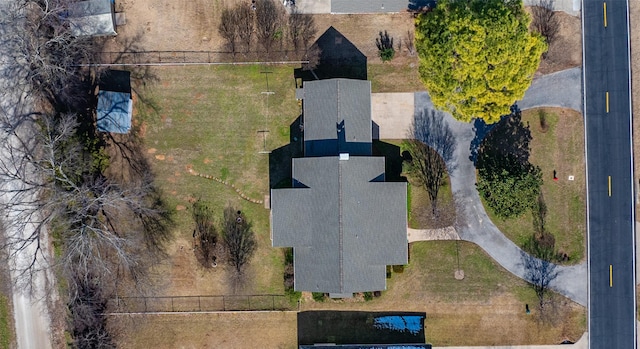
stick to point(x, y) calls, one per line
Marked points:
point(92, 18)
point(115, 105)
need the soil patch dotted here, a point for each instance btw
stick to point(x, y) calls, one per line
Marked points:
point(566, 50)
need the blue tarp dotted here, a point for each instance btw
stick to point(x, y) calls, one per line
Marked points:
point(402, 323)
point(114, 112)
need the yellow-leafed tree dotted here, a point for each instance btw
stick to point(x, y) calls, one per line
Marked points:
point(477, 57)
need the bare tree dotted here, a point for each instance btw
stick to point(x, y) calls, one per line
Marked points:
point(410, 43)
point(544, 20)
point(238, 237)
point(431, 149)
point(302, 29)
point(246, 24)
point(43, 49)
point(88, 318)
point(539, 273)
point(313, 56)
point(229, 27)
point(100, 225)
point(269, 18)
point(205, 233)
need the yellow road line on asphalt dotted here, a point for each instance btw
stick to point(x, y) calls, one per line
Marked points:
point(609, 185)
point(607, 100)
point(604, 7)
point(610, 275)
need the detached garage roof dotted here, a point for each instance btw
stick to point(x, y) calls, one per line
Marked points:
point(114, 102)
point(92, 18)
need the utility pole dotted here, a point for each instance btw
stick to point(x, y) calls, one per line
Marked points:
point(265, 130)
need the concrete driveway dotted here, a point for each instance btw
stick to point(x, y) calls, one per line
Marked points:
point(393, 113)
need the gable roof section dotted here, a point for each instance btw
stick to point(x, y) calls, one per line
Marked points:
point(344, 223)
point(337, 117)
point(92, 18)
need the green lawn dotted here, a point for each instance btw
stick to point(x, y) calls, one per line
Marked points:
point(208, 119)
point(6, 332)
point(559, 148)
point(394, 77)
point(488, 305)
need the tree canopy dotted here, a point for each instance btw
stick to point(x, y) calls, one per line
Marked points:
point(508, 182)
point(477, 57)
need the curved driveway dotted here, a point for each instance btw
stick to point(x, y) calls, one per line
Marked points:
point(476, 226)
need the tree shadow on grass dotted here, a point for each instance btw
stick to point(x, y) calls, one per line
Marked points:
point(506, 146)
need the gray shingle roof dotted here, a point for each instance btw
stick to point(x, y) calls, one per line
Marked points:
point(368, 6)
point(345, 224)
point(337, 110)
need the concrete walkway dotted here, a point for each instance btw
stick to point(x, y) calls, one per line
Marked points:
point(447, 233)
point(478, 228)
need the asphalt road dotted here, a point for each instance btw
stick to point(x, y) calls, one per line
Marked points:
point(612, 316)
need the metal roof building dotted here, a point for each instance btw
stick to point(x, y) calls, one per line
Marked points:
point(92, 18)
point(115, 106)
point(344, 222)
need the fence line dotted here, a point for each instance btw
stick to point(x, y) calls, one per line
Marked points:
point(177, 58)
point(195, 304)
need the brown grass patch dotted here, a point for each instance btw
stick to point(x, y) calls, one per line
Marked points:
point(488, 305)
point(231, 330)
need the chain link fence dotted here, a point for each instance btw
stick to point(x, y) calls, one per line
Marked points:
point(200, 303)
point(197, 57)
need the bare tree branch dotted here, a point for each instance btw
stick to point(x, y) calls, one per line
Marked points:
point(269, 18)
point(544, 20)
point(238, 237)
point(431, 150)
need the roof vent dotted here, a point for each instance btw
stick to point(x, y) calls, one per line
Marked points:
point(344, 156)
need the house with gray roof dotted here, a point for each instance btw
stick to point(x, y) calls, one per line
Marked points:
point(344, 222)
